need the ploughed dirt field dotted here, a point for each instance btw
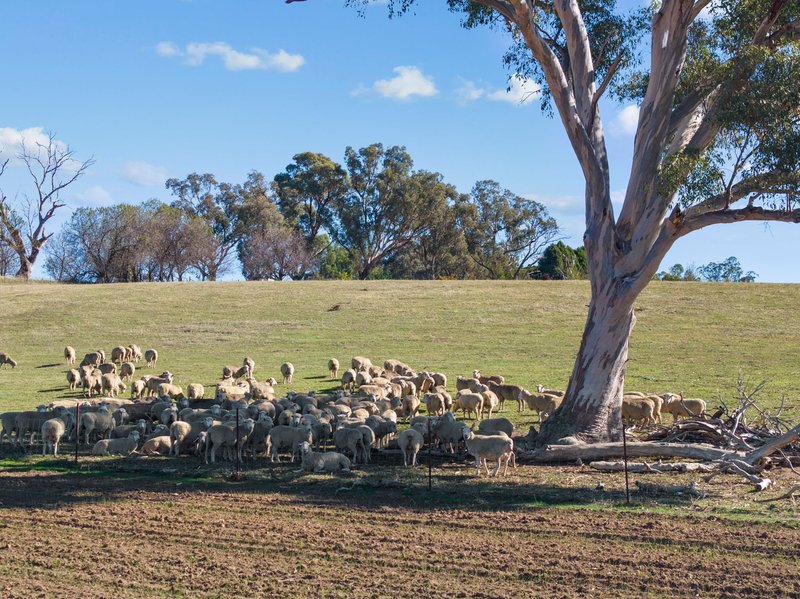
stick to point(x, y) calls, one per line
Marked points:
point(106, 533)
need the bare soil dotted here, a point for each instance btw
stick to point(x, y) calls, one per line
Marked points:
point(142, 532)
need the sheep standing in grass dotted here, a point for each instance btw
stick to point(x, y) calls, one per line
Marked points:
point(492, 447)
point(250, 364)
point(469, 403)
point(287, 371)
point(195, 391)
point(151, 357)
point(73, 378)
point(685, 408)
point(135, 354)
point(119, 353)
point(127, 370)
point(410, 441)
point(112, 385)
point(225, 436)
point(333, 368)
point(69, 355)
point(124, 447)
point(92, 359)
point(638, 409)
point(52, 430)
point(318, 463)
point(6, 359)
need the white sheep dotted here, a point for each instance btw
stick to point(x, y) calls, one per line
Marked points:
point(469, 403)
point(6, 359)
point(282, 436)
point(225, 436)
point(135, 353)
point(151, 357)
point(493, 426)
point(157, 446)
point(119, 354)
point(127, 370)
point(359, 363)
point(410, 442)
point(250, 364)
point(73, 378)
point(287, 371)
point(333, 368)
point(123, 447)
point(69, 355)
point(350, 439)
point(52, 430)
point(112, 385)
point(330, 461)
point(348, 379)
point(492, 447)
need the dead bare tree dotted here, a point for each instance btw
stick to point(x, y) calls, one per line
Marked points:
point(52, 168)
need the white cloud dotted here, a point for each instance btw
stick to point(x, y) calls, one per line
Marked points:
point(94, 196)
point(12, 140)
point(257, 59)
point(408, 82)
point(144, 174)
point(520, 92)
point(627, 120)
point(468, 91)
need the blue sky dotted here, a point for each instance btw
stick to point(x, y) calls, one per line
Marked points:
point(161, 88)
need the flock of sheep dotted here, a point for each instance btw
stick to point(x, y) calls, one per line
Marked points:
point(246, 417)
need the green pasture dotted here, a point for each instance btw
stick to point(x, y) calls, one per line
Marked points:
point(691, 338)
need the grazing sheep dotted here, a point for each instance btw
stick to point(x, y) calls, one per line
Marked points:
point(359, 363)
point(119, 354)
point(52, 430)
point(504, 391)
point(69, 355)
point(154, 382)
point(124, 447)
point(490, 402)
point(288, 436)
point(127, 370)
point(195, 391)
point(107, 368)
point(112, 385)
point(410, 442)
point(638, 409)
point(469, 403)
point(135, 353)
point(287, 371)
point(491, 447)
point(685, 408)
point(6, 359)
point(225, 436)
point(73, 378)
point(92, 359)
point(157, 446)
point(151, 357)
point(542, 403)
point(330, 461)
point(137, 388)
point(494, 426)
point(350, 439)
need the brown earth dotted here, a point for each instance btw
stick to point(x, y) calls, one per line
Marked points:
point(64, 534)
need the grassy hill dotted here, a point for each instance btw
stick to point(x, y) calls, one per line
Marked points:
point(689, 337)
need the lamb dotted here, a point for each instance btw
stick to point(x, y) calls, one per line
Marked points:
point(112, 385)
point(6, 359)
point(685, 408)
point(124, 447)
point(350, 439)
point(493, 426)
point(157, 446)
point(410, 442)
point(330, 461)
point(469, 403)
point(492, 447)
point(127, 370)
point(69, 355)
point(195, 391)
point(287, 370)
point(225, 436)
point(73, 378)
point(281, 436)
point(333, 368)
point(52, 430)
point(151, 357)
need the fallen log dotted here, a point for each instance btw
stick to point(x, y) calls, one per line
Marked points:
point(754, 457)
point(598, 451)
point(644, 467)
point(680, 490)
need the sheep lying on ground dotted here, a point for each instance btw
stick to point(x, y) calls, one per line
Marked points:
point(410, 442)
point(287, 371)
point(330, 461)
point(157, 446)
point(492, 447)
point(151, 357)
point(6, 359)
point(123, 447)
point(69, 355)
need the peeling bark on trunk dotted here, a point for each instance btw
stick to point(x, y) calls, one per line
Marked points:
point(590, 412)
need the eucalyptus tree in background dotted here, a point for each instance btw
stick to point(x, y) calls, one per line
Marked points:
point(505, 233)
point(306, 192)
point(386, 206)
point(23, 225)
point(717, 141)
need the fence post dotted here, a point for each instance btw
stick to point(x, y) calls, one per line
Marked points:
point(237, 443)
point(430, 466)
point(625, 460)
point(77, 428)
